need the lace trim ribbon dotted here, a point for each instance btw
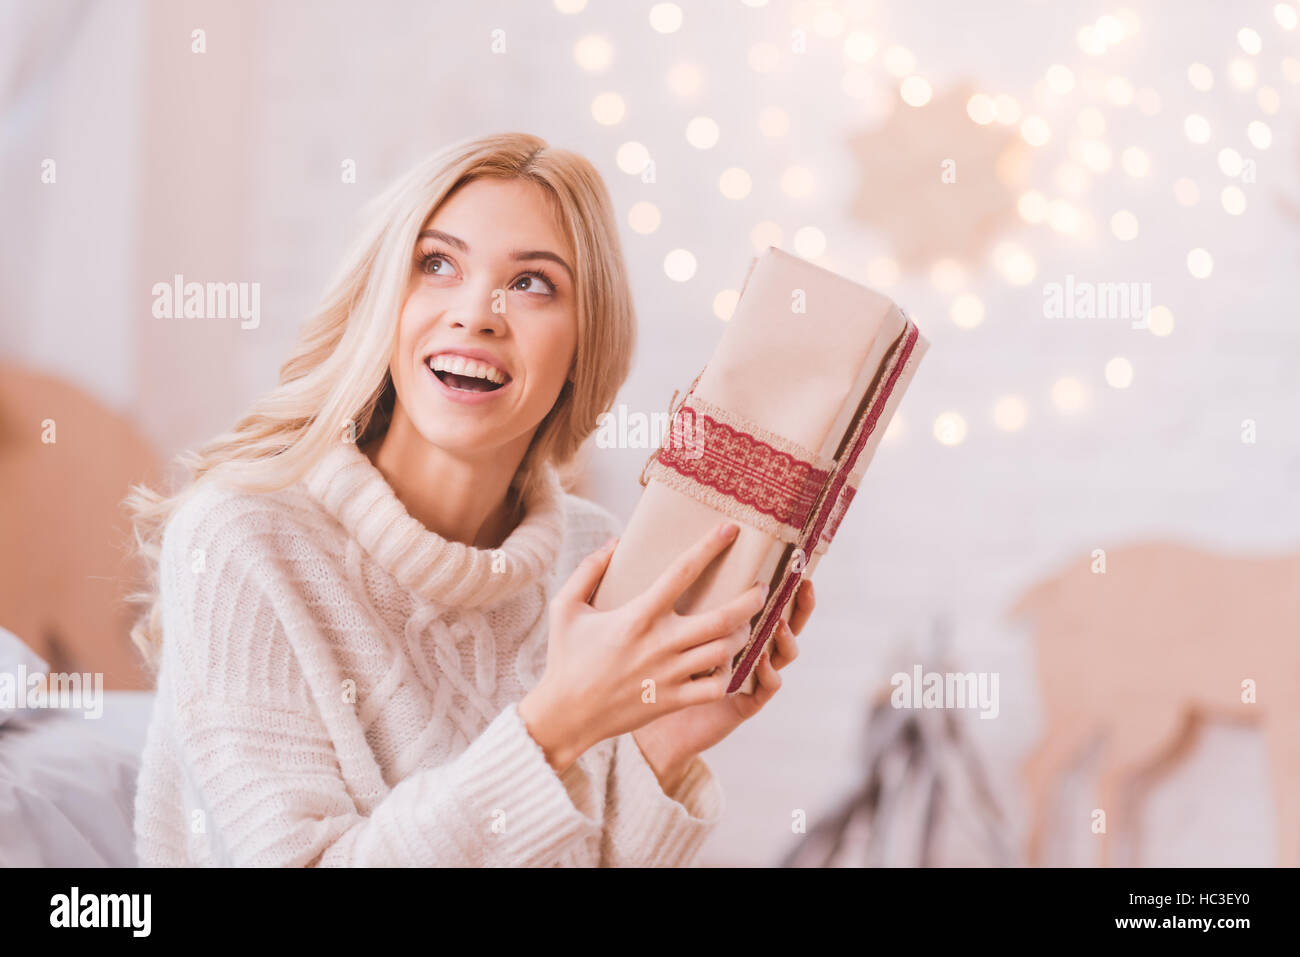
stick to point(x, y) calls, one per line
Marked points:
point(740, 469)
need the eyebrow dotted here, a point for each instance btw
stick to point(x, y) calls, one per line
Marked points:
point(518, 255)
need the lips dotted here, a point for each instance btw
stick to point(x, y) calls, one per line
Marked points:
point(471, 355)
point(466, 390)
point(468, 370)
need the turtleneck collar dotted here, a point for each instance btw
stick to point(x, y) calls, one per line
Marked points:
point(448, 573)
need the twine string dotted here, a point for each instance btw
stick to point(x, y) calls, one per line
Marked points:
point(673, 408)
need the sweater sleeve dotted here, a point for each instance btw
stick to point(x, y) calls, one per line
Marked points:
point(644, 827)
point(270, 781)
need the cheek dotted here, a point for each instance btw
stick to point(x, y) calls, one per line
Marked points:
point(407, 319)
point(556, 354)
point(403, 359)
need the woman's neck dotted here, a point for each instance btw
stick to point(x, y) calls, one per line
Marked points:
point(463, 500)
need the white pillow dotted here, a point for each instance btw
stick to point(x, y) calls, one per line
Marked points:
point(17, 661)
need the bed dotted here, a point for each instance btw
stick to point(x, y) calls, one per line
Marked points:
point(67, 780)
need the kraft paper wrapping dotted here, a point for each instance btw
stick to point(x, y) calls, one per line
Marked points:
point(774, 434)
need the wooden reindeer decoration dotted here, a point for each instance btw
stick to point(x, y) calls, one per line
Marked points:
point(66, 562)
point(1135, 644)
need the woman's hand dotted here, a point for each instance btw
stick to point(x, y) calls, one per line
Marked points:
point(670, 743)
point(614, 671)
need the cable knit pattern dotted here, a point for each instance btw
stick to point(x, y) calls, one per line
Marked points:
point(339, 687)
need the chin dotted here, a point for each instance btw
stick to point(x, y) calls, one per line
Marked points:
point(459, 442)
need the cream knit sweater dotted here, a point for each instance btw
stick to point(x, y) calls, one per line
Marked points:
point(339, 686)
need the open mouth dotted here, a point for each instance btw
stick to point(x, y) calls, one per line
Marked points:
point(465, 375)
point(466, 383)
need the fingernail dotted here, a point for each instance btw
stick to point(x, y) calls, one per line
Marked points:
point(728, 530)
point(762, 592)
point(610, 544)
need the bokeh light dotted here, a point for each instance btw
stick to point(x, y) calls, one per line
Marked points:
point(915, 91)
point(1060, 79)
point(724, 303)
point(643, 217)
point(899, 61)
point(860, 46)
point(702, 132)
point(967, 311)
point(666, 17)
point(950, 428)
point(679, 265)
point(1259, 134)
point(1015, 263)
point(1135, 162)
point(1230, 161)
point(1200, 263)
point(1010, 413)
point(1200, 76)
point(1119, 373)
point(593, 53)
point(809, 242)
point(980, 109)
point(608, 109)
point(1124, 225)
point(1035, 131)
point(1197, 128)
point(1160, 321)
point(632, 157)
point(735, 183)
point(1068, 394)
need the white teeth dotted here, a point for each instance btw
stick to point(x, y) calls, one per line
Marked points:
point(459, 365)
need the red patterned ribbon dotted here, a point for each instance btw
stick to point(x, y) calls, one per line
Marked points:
point(742, 467)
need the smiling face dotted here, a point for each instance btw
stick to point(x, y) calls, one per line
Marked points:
point(491, 306)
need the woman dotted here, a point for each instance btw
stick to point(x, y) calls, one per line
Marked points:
point(378, 649)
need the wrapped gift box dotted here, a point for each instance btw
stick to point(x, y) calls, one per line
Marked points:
point(775, 434)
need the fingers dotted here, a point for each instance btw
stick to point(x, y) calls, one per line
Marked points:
point(804, 601)
point(768, 680)
point(587, 575)
point(681, 574)
point(717, 622)
point(717, 653)
point(787, 649)
point(704, 690)
point(714, 687)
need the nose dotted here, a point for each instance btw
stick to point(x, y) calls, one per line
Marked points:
point(474, 313)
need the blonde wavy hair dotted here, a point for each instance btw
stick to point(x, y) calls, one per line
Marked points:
point(336, 384)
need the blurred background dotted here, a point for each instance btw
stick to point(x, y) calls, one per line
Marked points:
point(962, 158)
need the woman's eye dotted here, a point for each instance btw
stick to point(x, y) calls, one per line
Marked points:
point(533, 283)
point(429, 262)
